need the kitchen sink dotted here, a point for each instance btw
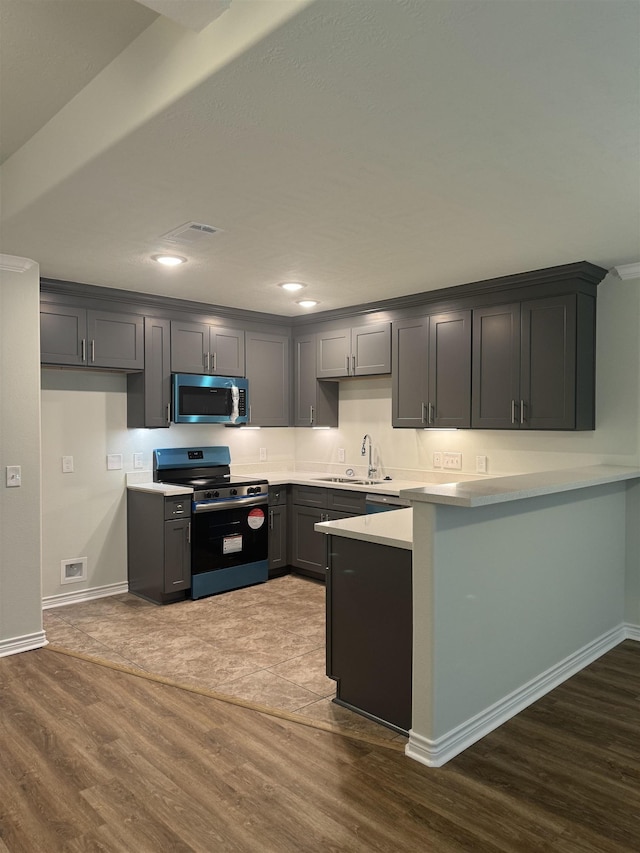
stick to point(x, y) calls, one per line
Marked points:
point(348, 480)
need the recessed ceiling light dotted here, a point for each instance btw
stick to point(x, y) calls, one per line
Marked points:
point(169, 260)
point(292, 285)
point(307, 303)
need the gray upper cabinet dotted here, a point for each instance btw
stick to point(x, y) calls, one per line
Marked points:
point(449, 403)
point(410, 378)
point(431, 384)
point(496, 367)
point(63, 335)
point(201, 348)
point(315, 402)
point(267, 362)
point(355, 351)
point(533, 364)
point(78, 337)
point(149, 392)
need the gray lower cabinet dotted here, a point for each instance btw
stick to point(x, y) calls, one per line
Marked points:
point(310, 505)
point(158, 546)
point(369, 629)
point(315, 402)
point(205, 349)
point(149, 392)
point(278, 530)
point(533, 364)
point(431, 382)
point(267, 369)
point(356, 351)
point(79, 337)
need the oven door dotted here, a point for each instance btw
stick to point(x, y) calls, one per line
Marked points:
point(228, 534)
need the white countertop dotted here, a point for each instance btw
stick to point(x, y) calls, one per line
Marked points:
point(161, 488)
point(519, 486)
point(393, 528)
point(383, 487)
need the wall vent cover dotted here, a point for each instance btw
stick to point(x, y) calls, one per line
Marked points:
point(191, 233)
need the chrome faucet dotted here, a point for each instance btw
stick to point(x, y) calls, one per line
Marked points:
point(372, 470)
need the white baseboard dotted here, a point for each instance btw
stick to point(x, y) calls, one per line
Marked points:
point(26, 643)
point(63, 598)
point(435, 753)
point(633, 632)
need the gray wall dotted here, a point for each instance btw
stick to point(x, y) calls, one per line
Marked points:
point(20, 584)
point(504, 594)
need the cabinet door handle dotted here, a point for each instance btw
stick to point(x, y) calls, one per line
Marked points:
point(168, 413)
point(214, 361)
point(83, 349)
point(353, 365)
point(249, 412)
point(205, 360)
point(521, 411)
point(189, 533)
point(311, 415)
point(513, 411)
point(270, 519)
point(430, 413)
point(423, 416)
point(348, 372)
point(93, 350)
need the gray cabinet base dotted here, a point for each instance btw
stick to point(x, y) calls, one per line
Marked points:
point(370, 629)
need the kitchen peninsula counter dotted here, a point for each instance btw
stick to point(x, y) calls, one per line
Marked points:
point(519, 582)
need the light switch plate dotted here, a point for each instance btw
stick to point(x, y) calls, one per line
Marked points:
point(481, 464)
point(341, 454)
point(67, 464)
point(137, 460)
point(452, 460)
point(437, 459)
point(14, 476)
point(263, 454)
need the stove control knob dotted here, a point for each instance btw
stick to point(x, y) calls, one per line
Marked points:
point(233, 491)
point(207, 495)
point(250, 490)
point(215, 495)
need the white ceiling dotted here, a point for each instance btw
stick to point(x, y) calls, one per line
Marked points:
point(370, 148)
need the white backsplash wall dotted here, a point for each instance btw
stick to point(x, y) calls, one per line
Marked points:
point(84, 416)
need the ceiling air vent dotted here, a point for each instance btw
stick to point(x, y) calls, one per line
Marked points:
point(191, 233)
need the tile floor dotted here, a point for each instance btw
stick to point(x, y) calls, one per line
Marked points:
point(265, 644)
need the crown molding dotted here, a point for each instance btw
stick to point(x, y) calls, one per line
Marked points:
point(12, 263)
point(627, 271)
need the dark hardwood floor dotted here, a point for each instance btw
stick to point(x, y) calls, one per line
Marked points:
point(93, 759)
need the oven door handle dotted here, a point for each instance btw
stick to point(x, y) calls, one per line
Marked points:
point(220, 505)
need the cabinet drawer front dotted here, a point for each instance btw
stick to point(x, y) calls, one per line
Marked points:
point(310, 496)
point(177, 507)
point(345, 501)
point(277, 495)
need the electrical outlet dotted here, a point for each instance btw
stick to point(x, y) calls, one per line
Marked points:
point(437, 459)
point(114, 461)
point(341, 454)
point(67, 464)
point(263, 454)
point(452, 460)
point(137, 460)
point(481, 464)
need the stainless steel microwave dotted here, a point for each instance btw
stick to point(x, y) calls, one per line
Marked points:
point(210, 399)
